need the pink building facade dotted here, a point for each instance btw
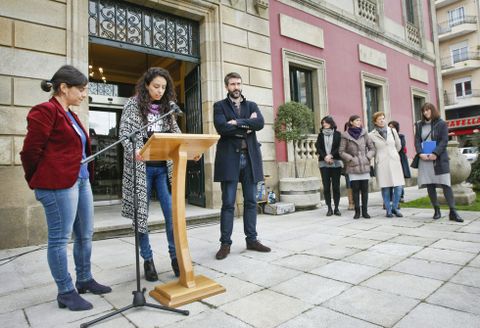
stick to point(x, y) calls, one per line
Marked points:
point(354, 57)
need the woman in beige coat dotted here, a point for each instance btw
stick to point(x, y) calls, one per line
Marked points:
point(356, 150)
point(388, 167)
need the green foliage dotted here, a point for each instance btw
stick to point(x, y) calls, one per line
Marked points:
point(293, 122)
point(474, 177)
point(424, 202)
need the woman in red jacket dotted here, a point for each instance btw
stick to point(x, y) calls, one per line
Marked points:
point(55, 144)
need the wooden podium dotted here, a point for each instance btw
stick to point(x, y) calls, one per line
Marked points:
point(180, 148)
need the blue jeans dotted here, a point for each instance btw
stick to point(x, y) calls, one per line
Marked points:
point(157, 178)
point(66, 210)
point(389, 203)
point(229, 194)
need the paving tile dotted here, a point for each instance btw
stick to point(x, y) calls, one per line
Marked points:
point(311, 288)
point(375, 259)
point(256, 309)
point(459, 297)
point(395, 249)
point(434, 270)
point(28, 297)
point(361, 225)
point(274, 255)
point(58, 317)
point(299, 245)
point(352, 242)
point(320, 317)
point(441, 227)
point(235, 289)
point(432, 316)
point(463, 246)
point(232, 264)
point(15, 319)
point(266, 275)
point(413, 240)
point(468, 276)
point(464, 236)
point(472, 227)
point(375, 235)
point(371, 305)
point(301, 262)
point(332, 252)
point(403, 284)
point(347, 272)
point(210, 319)
point(475, 262)
point(444, 255)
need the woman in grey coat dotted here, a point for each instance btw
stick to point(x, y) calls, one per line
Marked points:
point(356, 150)
point(433, 165)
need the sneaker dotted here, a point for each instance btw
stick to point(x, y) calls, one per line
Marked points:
point(257, 246)
point(223, 252)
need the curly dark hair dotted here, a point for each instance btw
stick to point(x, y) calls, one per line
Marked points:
point(143, 97)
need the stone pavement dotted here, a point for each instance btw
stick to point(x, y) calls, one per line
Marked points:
point(322, 272)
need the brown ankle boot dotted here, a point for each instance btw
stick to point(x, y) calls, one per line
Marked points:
point(351, 206)
point(257, 246)
point(223, 252)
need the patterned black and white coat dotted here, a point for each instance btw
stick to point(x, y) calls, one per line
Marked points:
point(131, 120)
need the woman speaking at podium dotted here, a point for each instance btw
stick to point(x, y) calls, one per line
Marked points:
point(153, 94)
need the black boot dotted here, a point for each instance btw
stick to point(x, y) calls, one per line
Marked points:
point(329, 211)
point(175, 268)
point(357, 213)
point(150, 272)
point(336, 211)
point(453, 216)
point(437, 215)
point(365, 213)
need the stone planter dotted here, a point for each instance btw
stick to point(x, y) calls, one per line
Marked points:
point(303, 192)
point(459, 171)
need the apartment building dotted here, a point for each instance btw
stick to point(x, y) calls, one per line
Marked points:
point(459, 44)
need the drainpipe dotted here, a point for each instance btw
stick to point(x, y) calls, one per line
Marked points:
point(438, 64)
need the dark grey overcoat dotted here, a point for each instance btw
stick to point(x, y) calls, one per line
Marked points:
point(227, 156)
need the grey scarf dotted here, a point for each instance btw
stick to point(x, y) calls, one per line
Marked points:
point(382, 131)
point(328, 138)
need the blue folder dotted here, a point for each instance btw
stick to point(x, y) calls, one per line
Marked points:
point(428, 147)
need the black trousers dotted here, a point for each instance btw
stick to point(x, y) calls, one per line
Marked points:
point(447, 192)
point(360, 187)
point(331, 183)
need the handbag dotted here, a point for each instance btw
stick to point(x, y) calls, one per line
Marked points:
point(372, 171)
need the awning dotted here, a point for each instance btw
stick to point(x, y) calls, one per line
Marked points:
point(463, 132)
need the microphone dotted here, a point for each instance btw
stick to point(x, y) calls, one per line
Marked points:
point(175, 107)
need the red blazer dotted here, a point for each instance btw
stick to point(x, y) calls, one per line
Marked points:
point(52, 150)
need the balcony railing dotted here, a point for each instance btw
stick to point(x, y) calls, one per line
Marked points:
point(413, 34)
point(306, 148)
point(450, 99)
point(446, 27)
point(368, 10)
point(450, 61)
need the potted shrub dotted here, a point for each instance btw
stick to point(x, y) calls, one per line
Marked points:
point(293, 123)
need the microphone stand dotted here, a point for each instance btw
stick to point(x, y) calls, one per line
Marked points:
point(139, 293)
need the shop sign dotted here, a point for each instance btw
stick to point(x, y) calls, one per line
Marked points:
point(463, 122)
